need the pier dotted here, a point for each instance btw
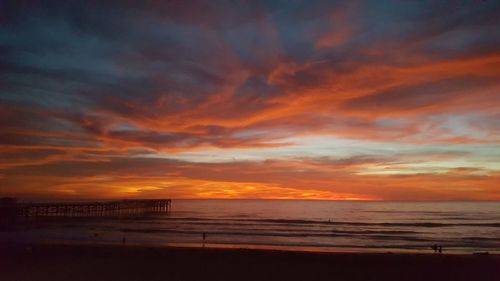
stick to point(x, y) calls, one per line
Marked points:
point(85, 209)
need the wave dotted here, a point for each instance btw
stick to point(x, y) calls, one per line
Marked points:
point(419, 242)
point(410, 224)
point(274, 232)
point(217, 221)
point(271, 234)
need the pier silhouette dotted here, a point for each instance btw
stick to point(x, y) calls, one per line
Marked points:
point(10, 208)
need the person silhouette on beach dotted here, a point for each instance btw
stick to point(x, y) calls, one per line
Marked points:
point(440, 249)
point(204, 235)
point(124, 240)
point(435, 248)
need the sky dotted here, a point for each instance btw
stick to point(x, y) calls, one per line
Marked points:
point(340, 100)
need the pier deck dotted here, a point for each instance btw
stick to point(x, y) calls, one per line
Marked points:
point(88, 209)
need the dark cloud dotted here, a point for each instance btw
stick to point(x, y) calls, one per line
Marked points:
point(421, 95)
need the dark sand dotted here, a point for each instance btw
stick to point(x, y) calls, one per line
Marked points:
point(71, 263)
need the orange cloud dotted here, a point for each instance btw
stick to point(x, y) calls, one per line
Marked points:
point(299, 179)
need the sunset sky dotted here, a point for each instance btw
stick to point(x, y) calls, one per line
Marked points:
point(385, 100)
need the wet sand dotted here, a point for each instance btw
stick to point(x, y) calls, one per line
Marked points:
point(84, 262)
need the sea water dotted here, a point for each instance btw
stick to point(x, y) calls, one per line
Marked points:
point(459, 227)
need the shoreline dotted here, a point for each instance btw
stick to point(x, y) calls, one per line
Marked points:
point(250, 246)
point(136, 262)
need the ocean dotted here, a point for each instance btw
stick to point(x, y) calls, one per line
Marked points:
point(357, 226)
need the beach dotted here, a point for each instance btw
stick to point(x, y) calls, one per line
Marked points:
point(261, 240)
point(111, 262)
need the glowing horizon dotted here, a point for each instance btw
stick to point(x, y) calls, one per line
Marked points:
point(317, 100)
